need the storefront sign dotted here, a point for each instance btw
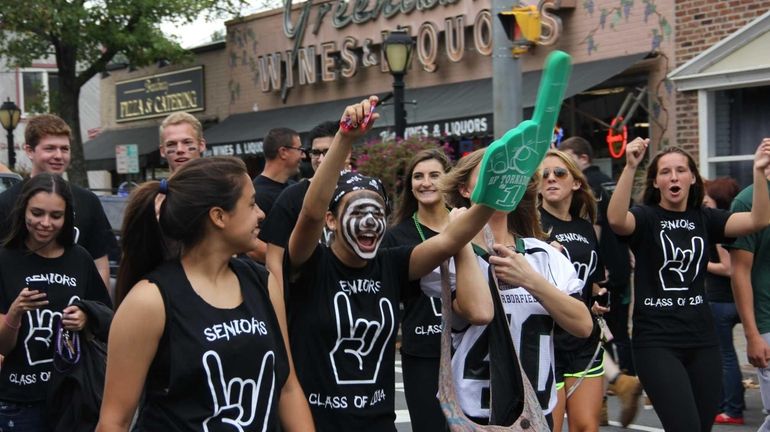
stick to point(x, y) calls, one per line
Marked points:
point(616, 141)
point(331, 60)
point(160, 95)
point(470, 126)
point(245, 148)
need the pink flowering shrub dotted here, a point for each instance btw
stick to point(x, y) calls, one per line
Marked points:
point(387, 159)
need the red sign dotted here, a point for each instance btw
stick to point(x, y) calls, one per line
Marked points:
point(616, 141)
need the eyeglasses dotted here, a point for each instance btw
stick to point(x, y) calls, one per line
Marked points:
point(318, 153)
point(559, 172)
point(295, 148)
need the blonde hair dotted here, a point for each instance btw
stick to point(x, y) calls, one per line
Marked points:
point(180, 118)
point(524, 221)
point(583, 203)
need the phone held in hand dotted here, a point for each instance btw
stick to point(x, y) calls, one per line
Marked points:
point(38, 283)
point(603, 299)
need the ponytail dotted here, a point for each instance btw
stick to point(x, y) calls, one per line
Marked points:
point(149, 236)
point(142, 243)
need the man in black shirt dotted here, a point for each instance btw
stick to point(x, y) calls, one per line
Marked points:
point(47, 144)
point(278, 225)
point(283, 154)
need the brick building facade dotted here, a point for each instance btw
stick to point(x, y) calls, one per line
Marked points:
point(618, 48)
point(722, 78)
point(700, 24)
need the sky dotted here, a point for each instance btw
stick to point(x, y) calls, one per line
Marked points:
point(199, 32)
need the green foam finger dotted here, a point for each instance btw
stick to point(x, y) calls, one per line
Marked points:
point(511, 160)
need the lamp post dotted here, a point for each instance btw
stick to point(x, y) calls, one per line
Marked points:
point(398, 48)
point(9, 118)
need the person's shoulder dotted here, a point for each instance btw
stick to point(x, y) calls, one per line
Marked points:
point(83, 195)
point(746, 195)
point(595, 175)
point(536, 245)
point(405, 226)
point(79, 252)
point(298, 188)
point(9, 196)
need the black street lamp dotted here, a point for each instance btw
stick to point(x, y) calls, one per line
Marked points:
point(398, 48)
point(9, 118)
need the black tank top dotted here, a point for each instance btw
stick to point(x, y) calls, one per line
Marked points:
point(215, 368)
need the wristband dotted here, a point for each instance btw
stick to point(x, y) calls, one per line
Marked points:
point(8, 323)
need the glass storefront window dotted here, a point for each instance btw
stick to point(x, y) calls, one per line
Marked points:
point(740, 120)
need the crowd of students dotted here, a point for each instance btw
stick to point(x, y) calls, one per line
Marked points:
point(204, 338)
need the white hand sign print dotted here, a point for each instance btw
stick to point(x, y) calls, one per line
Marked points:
point(237, 401)
point(680, 266)
point(357, 355)
point(38, 340)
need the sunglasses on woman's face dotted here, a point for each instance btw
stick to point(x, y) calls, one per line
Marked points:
point(559, 172)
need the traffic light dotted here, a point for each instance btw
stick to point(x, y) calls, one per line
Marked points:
point(522, 26)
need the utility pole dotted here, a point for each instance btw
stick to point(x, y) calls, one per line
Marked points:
point(506, 74)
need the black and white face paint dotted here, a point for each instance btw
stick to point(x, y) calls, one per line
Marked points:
point(363, 226)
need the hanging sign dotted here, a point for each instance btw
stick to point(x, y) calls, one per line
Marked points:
point(616, 141)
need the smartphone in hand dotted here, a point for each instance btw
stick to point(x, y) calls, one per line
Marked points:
point(38, 283)
point(603, 299)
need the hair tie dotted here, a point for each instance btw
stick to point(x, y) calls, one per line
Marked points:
point(163, 186)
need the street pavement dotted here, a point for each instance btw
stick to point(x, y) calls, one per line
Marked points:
point(646, 420)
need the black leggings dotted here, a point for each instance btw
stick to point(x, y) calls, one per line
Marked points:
point(421, 389)
point(684, 385)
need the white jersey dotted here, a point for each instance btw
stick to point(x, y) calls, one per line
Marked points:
point(531, 329)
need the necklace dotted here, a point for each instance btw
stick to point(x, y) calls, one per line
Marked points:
point(417, 225)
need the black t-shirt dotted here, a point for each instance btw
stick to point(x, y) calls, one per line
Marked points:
point(718, 288)
point(215, 368)
point(92, 228)
point(670, 308)
point(421, 322)
point(27, 368)
point(612, 249)
point(580, 246)
point(266, 192)
point(277, 226)
point(342, 327)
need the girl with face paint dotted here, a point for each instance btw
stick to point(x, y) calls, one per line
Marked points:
point(343, 299)
point(535, 284)
point(675, 348)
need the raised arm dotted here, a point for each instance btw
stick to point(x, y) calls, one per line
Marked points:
point(621, 220)
point(310, 222)
point(473, 300)
point(429, 254)
point(744, 223)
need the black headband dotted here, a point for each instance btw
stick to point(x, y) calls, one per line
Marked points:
point(351, 181)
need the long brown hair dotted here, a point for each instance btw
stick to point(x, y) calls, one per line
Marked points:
point(190, 193)
point(407, 203)
point(524, 221)
point(583, 203)
point(652, 194)
point(43, 182)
